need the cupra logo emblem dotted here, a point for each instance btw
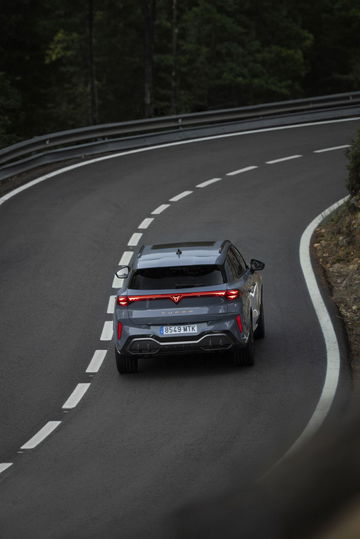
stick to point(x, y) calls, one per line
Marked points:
point(176, 299)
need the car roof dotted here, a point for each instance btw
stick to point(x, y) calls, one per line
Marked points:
point(182, 254)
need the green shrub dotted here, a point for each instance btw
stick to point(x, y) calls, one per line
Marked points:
point(353, 154)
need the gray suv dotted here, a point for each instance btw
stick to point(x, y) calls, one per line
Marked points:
point(185, 298)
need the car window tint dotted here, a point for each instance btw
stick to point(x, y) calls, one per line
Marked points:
point(234, 264)
point(240, 261)
point(176, 277)
point(230, 268)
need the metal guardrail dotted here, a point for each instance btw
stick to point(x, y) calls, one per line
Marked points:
point(80, 138)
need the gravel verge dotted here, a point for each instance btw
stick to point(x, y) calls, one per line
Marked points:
point(336, 245)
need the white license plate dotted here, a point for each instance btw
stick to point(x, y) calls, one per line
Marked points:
point(190, 329)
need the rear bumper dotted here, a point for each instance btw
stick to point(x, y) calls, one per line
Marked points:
point(150, 345)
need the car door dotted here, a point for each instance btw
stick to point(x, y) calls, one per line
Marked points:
point(237, 277)
point(249, 283)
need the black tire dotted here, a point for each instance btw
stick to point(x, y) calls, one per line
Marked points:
point(125, 364)
point(246, 356)
point(259, 332)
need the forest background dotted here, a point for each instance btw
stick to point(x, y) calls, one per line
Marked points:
point(70, 63)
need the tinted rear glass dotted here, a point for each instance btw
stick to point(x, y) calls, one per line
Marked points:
point(176, 277)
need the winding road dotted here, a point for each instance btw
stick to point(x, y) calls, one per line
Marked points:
point(86, 453)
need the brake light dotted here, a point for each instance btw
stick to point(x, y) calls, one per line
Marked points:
point(123, 301)
point(239, 323)
point(232, 294)
point(176, 298)
point(119, 330)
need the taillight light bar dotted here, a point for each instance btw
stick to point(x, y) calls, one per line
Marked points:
point(230, 295)
point(123, 301)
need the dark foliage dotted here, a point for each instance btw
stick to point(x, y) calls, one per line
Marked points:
point(353, 181)
point(68, 63)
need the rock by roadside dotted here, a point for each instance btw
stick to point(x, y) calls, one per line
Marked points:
point(336, 244)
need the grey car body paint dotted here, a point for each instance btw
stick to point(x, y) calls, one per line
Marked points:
point(214, 317)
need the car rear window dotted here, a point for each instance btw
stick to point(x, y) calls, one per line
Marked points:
point(176, 277)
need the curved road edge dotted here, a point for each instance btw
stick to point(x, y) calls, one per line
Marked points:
point(332, 348)
point(328, 392)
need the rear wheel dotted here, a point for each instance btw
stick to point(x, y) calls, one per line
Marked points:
point(125, 364)
point(246, 356)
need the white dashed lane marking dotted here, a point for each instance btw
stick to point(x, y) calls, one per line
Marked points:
point(117, 282)
point(288, 158)
point(96, 361)
point(180, 196)
point(4, 466)
point(76, 396)
point(134, 240)
point(107, 331)
point(333, 148)
point(125, 258)
point(241, 170)
point(208, 182)
point(160, 209)
point(41, 435)
point(14, 192)
point(111, 305)
point(146, 223)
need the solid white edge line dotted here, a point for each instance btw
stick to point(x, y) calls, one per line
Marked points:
point(125, 258)
point(111, 305)
point(76, 396)
point(146, 223)
point(96, 361)
point(241, 170)
point(180, 196)
point(208, 182)
point(288, 158)
point(117, 283)
point(107, 331)
point(134, 240)
point(5, 465)
point(160, 209)
point(333, 148)
point(43, 433)
point(331, 343)
point(18, 190)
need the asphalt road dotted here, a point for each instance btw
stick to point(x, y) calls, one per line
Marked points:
point(136, 448)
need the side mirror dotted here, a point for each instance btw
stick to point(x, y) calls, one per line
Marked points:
point(120, 274)
point(256, 265)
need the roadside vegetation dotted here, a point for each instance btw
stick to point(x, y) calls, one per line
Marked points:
point(337, 246)
point(70, 63)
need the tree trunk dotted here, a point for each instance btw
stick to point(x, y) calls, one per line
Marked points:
point(92, 77)
point(174, 58)
point(149, 20)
